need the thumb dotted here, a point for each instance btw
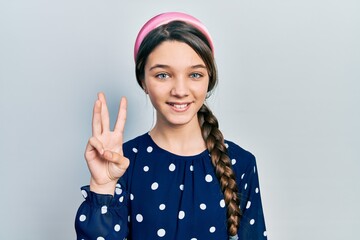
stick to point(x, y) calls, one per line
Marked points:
point(116, 158)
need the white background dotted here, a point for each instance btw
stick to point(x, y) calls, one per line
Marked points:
point(288, 92)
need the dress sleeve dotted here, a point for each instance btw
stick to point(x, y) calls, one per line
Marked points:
point(252, 223)
point(102, 216)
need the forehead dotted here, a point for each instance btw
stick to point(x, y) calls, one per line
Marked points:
point(174, 54)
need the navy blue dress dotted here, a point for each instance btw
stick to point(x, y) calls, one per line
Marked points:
point(167, 196)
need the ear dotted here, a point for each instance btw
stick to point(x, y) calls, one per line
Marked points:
point(143, 85)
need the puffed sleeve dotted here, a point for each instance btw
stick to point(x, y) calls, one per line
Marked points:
point(102, 216)
point(252, 224)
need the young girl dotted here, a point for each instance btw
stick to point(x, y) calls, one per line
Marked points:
point(181, 180)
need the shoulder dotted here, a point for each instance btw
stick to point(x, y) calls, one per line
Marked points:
point(237, 151)
point(240, 158)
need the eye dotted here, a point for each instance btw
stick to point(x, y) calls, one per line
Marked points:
point(162, 75)
point(196, 75)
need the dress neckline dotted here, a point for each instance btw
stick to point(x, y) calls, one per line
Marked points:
point(204, 153)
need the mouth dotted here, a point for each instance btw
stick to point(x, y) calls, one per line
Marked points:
point(179, 106)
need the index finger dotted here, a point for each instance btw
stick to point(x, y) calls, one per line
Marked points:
point(121, 119)
point(96, 121)
point(105, 120)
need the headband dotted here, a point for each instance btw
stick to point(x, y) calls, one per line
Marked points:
point(165, 18)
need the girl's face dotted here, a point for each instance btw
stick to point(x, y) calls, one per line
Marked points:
point(176, 80)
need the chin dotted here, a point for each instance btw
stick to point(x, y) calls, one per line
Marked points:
point(181, 121)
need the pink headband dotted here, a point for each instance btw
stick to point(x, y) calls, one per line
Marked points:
point(165, 18)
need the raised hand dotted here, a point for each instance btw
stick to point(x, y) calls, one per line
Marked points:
point(104, 153)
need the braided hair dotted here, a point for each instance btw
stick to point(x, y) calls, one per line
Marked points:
point(214, 140)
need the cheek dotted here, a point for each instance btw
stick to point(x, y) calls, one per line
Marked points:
point(156, 90)
point(156, 93)
point(202, 90)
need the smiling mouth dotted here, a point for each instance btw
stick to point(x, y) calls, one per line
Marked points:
point(179, 106)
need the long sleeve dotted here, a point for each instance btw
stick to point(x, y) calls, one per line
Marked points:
point(252, 224)
point(102, 216)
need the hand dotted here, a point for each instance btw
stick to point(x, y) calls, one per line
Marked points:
point(104, 153)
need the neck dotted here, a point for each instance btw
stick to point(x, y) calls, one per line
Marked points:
point(181, 140)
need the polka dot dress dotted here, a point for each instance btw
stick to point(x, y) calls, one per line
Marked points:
point(167, 196)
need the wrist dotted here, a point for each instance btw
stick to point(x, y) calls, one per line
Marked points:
point(107, 188)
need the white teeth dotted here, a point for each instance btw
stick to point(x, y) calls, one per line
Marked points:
point(180, 106)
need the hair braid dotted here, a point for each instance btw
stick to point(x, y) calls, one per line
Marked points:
point(215, 144)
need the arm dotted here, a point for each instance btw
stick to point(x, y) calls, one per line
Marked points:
point(102, 216)
point(104, 213)
point(252, 224)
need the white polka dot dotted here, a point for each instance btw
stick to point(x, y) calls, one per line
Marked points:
point(191, 168)
point(193, 239)
point(181, 215)
point(161, 232)
point(139, 218)
point(129, 218)
point(149, 149)
point(242, 176)
point(117, 227)
point(252, 221)
point(212, 229)
point(135, 150)
point(256, 190)
point(84, 193)
point(121, 199)
point(254, 169)
point(181, 187)
point(226, 145)
point(162, 206)
point(118, 185)
point(103, 209)
point(118, 191)
point(208, 178)
point(222, 203)
point(82, 218)
point(245, 187)
point(203, 206)
point(100, 238)
point(146, 168)
point(265, 233)
point(132, 196)
point(154, 186)
point(248, 204)
point(233, 161)
point(172, 167)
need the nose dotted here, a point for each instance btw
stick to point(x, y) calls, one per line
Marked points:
point(180, 87)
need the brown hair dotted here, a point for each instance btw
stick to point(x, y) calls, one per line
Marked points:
point(214, 140)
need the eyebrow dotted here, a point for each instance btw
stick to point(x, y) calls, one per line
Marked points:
point(167, 66)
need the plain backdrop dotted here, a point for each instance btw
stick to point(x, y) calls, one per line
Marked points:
point(288, 91)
